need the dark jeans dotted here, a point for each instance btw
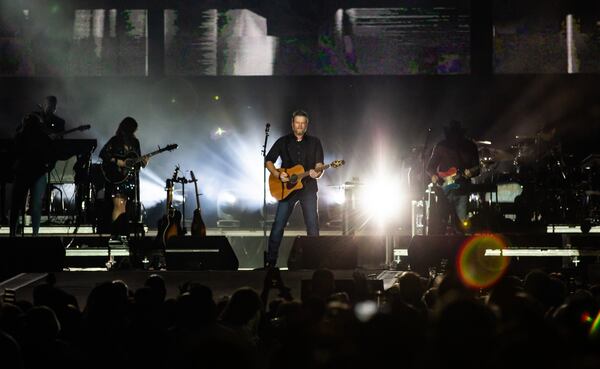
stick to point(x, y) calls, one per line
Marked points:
point(22, 186)
point(308, 202)
point(459, 203)
point(450, 210)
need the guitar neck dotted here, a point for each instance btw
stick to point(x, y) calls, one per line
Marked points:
point(197, 195)
point(154, 153)
point(169, 188)
point(302, 175)
point(64, 133)
point(141, 158)
point(69, 131)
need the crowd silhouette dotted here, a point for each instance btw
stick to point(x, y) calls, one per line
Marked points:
point(539, 321)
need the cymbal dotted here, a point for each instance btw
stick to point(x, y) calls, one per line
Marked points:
point(500, 154)
point(490, 154)
point(483, 142)
point(523, 139)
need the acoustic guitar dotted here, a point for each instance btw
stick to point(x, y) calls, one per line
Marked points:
point(170, 224)
point(116, 175)
point(281, 190)
point(198, 226)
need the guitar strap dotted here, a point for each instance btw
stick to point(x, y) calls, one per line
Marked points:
point(461, 162)
point(462, 167)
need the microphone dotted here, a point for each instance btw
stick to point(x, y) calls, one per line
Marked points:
point(267, 127)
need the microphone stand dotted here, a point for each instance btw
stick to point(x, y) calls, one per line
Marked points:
point(425, 219)
point(264, 154)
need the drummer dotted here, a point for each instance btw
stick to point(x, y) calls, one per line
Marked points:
point(547, 142)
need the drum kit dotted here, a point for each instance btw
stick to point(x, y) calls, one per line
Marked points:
point(544, 185)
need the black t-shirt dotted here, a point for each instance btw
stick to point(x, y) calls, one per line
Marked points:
point(34, 151)
point(53, 123)
point(307, 152)
point(119, 147)
point(446, 154)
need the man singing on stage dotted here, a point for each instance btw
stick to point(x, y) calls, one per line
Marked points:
point(293, 149)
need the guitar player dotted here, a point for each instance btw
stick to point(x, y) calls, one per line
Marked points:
point(114, 151)
point(454, 153)
point(295, 148)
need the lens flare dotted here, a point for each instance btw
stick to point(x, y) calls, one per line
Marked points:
point(477, 270)
point(586, 318)
point(595, 328)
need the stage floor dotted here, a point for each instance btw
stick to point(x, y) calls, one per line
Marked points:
point(84, 258)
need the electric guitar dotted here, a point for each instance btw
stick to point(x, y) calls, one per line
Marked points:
point(64, 133)
point(170, 224)
point(198, 226)
point(116, 175)
point(281, 190)
point(453, 178)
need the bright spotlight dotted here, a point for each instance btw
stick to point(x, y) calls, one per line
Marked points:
point(219, 133)
point(339, 197)
point(381, 199)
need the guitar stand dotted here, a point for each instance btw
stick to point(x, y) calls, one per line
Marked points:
point(183, 182)
point(138, 225)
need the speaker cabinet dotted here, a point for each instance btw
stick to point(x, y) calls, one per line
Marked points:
point(336, 252)
point(200, 253)
point(31, 254)
point(429, 251)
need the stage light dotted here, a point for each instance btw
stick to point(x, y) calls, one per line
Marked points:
point(219, 133)
point(216, 97)
point(381, 200)
point(339, 197)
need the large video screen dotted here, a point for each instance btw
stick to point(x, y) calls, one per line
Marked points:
point(58, 39)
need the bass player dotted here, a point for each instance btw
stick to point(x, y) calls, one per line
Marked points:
point(456, 158)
